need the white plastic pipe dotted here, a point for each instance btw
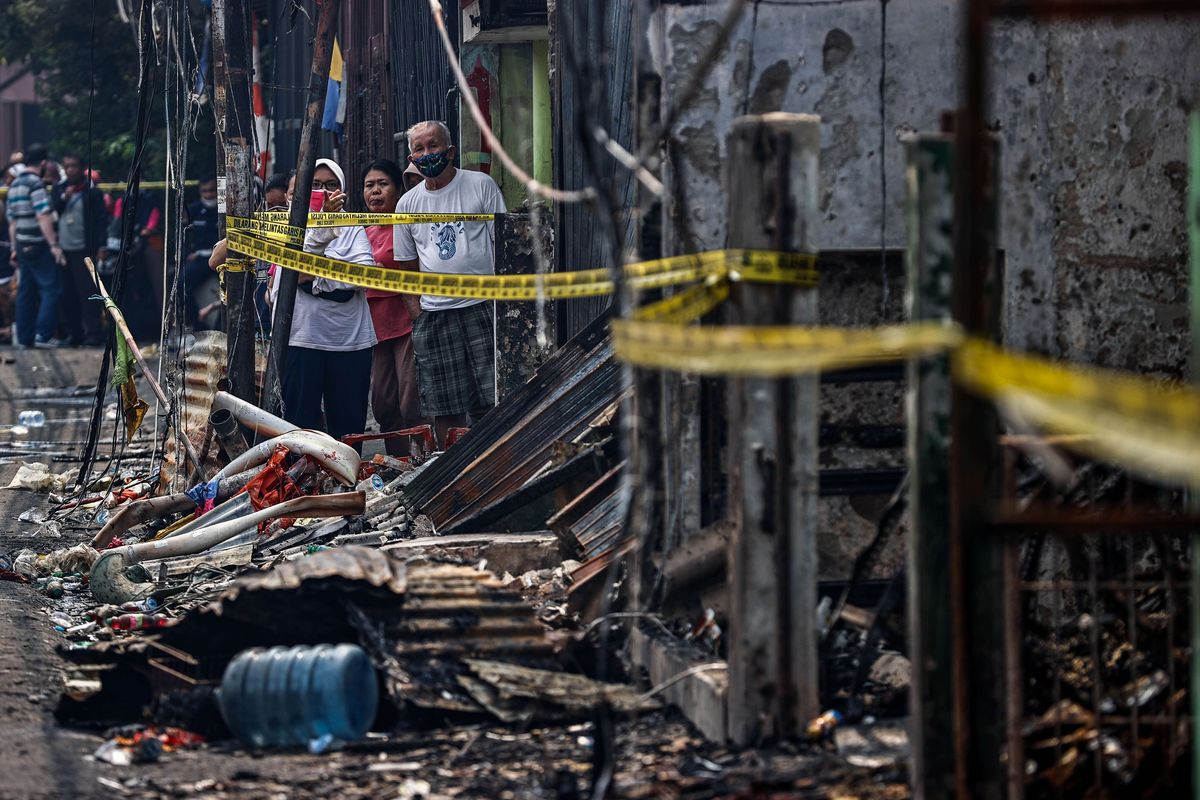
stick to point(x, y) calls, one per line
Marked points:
point(340, 460)
point(141, 510)
point(322, 505)
point(252, 416)
point(110, 582)
point(233, 508)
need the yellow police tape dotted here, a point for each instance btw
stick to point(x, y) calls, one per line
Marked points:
point(749, 265)
point(1149, 427)
point(117, 186)
point(1146, 426)
point(760, 266)
point(341, 219)
point(689, 304)
point(278, 231)
point(773, 351)
point(275, 225)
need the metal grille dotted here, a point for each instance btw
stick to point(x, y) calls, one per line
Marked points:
point(1100, 640)
point(369, 87)
point(600, 89)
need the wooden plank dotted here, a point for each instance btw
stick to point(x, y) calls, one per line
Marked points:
point(773, 689)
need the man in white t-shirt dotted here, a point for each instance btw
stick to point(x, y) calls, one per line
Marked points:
point(452, 336)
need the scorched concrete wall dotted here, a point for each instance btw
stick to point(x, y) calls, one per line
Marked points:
point(1092, 119)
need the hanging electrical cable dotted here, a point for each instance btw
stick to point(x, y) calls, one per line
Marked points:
point(181, 113)
point(129, 204)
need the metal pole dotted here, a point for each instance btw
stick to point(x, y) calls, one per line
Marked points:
point(930, 260)
point(235, 125)
point(773, 682)
point(542, 126)
point(975, 556)
point(285, 303)
point(1193, 222)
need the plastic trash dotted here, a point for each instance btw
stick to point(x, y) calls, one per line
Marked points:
point(31, 419)
point(26, 563)
point(821, 729)
point(37, 477)
point(140, 606)
point(138, 622)
point(133, 744)
point(294, 696)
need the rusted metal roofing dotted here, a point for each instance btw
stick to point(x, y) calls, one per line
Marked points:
point(354, 564)
point(517, 438)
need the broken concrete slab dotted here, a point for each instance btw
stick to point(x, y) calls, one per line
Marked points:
point(701, 696)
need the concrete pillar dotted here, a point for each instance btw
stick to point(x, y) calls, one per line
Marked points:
point(772, 197)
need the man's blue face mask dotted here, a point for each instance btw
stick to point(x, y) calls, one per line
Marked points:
point(433, 164)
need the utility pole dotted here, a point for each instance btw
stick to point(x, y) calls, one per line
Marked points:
point(281, 330)
point(235, 127)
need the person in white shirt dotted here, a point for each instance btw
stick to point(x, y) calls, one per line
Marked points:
point(328, 359)
point(452, 336)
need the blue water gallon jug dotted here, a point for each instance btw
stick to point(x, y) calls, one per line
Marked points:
point(295, 696)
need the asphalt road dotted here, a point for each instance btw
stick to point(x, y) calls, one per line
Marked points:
point(37, 757)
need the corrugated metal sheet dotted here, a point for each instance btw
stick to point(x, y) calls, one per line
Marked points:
point(592, 29)
point(287, 55)
point(422, 83)
point(365, 33)
point(353, 564)
point(601, 528)
point(576, 383)
point(564, 414)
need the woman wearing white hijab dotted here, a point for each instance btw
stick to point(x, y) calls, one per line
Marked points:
point(329, 353)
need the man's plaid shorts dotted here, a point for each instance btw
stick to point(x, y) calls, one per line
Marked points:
point(455, 350)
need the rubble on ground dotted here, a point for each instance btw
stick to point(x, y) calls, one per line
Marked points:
point(479, 582)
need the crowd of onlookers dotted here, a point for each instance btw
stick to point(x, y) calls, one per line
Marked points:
point(415, 359)
point(56, 216)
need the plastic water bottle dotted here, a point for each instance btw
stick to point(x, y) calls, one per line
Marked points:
point(31, 419)
point(292, 696)
point(138, 622)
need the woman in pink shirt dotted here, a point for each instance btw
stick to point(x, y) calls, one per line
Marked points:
point(394, 398)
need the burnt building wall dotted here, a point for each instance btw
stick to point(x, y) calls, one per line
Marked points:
point(1092, 121)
